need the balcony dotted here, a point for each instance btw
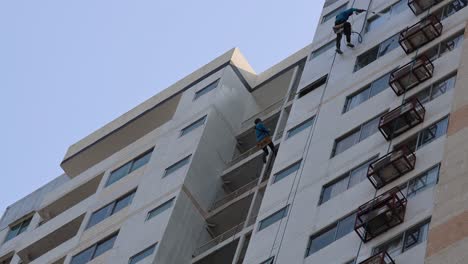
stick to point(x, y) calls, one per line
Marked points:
point(391, 167)
point(380, 214)
point(381, 258)
point(421, 33)
point(246, 189)
point(419, 6)
point(410, 75)
point(402, 119)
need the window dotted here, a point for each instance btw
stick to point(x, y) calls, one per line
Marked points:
point(345, 182)
point(110, 209)
point(376, 52)
point(385, 15)
point(426, 136)
point(129, 167)
point(334, 13)
point(313, 86)
point(142, 255)
point(422, 182)
point(332, 233)
point(18, 229)
point(356, 135)
point(450, 9)
point(286, 172)
point(445, 46)
point(405, 241)
point(299, 128)
point(269, 261)
point(435, 90)
point(200, 122)
point(329, 2)
point(95, 250)
point(330, 45)
point(160, 209)
point(206, 90)
point(181, 163)
point(368, 92)
point(275, 217)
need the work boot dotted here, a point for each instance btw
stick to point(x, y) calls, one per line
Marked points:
point(339, 51)
point(350, 45)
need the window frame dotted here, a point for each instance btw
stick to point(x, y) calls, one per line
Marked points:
point(22, 225)
point(378, 54)
point(95, 246)
point(347, 175)
point(313, 86)
point(432, 86)
point(388, 9)
point(353, 131)
point(169, 170)
point(276, 174)
point(419, 135)
point(284, 211)
point(322, 49)
point(312, 122)
point(130, 169)
point(142, 252)
point(111, 211)
point(161, 208)
point(206, 89)
point(193, 126)
point(335, 225)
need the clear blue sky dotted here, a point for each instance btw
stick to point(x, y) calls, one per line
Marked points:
point(69, 67)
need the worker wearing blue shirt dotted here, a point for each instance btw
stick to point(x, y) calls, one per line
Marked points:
point(343, 26)
point(263, 138)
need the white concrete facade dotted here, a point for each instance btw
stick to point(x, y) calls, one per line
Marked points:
point(212, 208)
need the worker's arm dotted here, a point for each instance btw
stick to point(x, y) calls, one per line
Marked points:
point(262, 128)
point(358, 10)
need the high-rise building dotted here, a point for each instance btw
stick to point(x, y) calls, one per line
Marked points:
point(371, 168)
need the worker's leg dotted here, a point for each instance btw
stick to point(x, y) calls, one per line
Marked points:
point(265, 154)
point(339, 36)
point(347, 32)
point(272, 147)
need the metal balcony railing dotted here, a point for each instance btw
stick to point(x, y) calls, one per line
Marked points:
point(391, 167)
point(380, 214)
point(419, 6)
point(402, 119)
point(410, 75)
point(231, 196)
point(421, 33)
point(380, 258)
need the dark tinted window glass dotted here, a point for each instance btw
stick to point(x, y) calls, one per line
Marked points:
point(100, 215)
point(366, 58)
point(119, 173)
point(14, 231)
point(141, 161)
point(177, 166)
point(288, 171)
point(200, 122)
point(123, 202)
point(268, 221)
point(322, 240)
point(158, 210)
point(345, 226)
point(423, 182)
point(207, 89)
point(296, 130)
point(104, 246)
point(142, 255)
point(83, 257)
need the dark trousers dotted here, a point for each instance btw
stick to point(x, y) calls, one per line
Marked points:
point(272, 147)
point(346, 31)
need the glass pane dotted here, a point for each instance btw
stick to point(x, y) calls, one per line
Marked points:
point(273, 218)
point(393, 247)
point(83, 257)
point(442, 127)
point(118, 173)
point(141, 161)
point(415, 236)
point(158, 210)
point(358, 175)
point(379, 85)
point(345, 226)
point(142, 255)
point(323, 49)
point(346, 143)
point(285, 173)
point(388, 45)
point(13, 232)
point(454, 7)
point(366, 58)
point(100, 215)
point(177, 166)
point(207, 89)
point(357, 99)
point(333, 13)
point(104, 246)
point(322, 240)
point(432, 53)
point(193, 126)
point(369, 128)
point(123, 202)
point(377, 21)
point(423, 96)
point(24, 225)
point(339, 187)
point(300, 127)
